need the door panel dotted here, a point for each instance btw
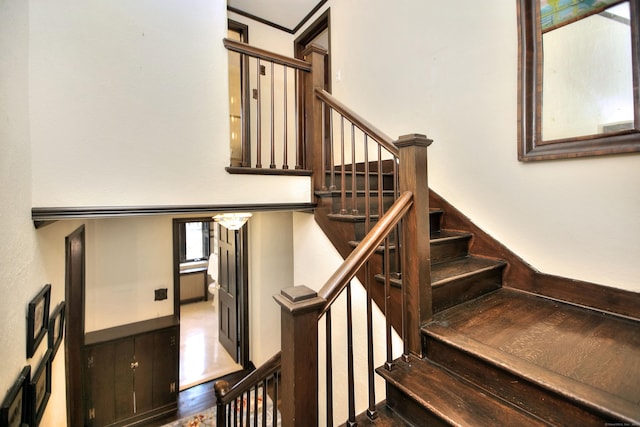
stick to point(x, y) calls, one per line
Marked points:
point(227, 294)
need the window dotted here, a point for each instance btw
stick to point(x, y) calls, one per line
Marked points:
point(194, 241)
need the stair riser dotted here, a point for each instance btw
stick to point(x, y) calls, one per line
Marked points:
point(410, 410)
point(435, 221)
point(520, 392)
point(387, 182)
point(449, 250)
point(466, 289)
point(387, 201)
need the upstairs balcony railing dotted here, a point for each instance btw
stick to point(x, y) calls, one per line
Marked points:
point(377, 182)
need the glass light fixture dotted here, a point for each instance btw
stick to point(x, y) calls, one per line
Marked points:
point(232, 221)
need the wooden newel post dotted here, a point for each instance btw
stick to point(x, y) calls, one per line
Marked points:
point(416, 255)
point(299, 341)
point(314, 55)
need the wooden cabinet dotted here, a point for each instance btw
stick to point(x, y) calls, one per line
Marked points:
point(131, 373)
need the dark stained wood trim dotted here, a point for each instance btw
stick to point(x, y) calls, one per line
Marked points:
point(74, 336)
point(520, 275)
point(236, 170)
point(136, 328)
point(309, 15)
point(256, 52)
point(530, 144)
point(273, 24)
point(40, 214)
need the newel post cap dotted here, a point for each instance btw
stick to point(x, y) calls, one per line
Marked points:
point(413, 139)
point(299, 299)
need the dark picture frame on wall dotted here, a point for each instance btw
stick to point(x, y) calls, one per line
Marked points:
point(56, 328)
point(13, 412)
point(40, 389)
point(38, 319)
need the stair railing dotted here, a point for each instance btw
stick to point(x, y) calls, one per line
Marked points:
point(245, 403)
point(271, 123)
point(334, 163)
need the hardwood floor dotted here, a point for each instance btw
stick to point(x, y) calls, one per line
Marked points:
point(196, 399)
point(202, 357)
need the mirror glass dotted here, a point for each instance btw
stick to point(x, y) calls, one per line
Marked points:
point(587, 72)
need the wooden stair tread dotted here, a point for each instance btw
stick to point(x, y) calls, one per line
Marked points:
point(385, 417)
point(359, 193)
point(444, 235)
point(351, 217)
point(450, 397)
point(552, 349)
point(444, 272)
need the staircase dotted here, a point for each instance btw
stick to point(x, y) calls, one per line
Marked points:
point(493, 355)
point(498, 342)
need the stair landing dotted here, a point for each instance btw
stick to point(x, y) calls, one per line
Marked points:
point(590, 357)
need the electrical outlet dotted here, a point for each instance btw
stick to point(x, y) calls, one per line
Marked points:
point(160, 294)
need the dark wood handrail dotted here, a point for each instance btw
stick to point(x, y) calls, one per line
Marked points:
point(226, 394)
point(357, 120)
point(256, 52)
point(364, 250)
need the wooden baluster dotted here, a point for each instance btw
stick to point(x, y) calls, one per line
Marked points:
point(416, 274)
point(329, 368)
point(272, 165)
point(354, 185)
point(258, 118)
point(300, 309)
point(350, 377)
point(343, 179)
point(285, 163)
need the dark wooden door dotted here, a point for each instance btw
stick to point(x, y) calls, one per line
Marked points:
point(228, 292)
point(100, 394)
point(165, 367)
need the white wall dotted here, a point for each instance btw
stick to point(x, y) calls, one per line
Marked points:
point(126, 260)
point(315, 259)
point(270, 270)
point(23, 271)
point(449, 70)
point(127, 107)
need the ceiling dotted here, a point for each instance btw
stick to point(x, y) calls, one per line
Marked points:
point(287, 15)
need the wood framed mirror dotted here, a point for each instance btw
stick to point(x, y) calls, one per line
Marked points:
point(578, 78)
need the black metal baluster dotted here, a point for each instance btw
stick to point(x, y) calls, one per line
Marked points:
point(343, 183)
point(329, 369)
point(350, 377)
point(354, 186)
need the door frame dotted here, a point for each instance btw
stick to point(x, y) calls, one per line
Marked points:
point(319, 25)
point(243, 283)
point(75, 282)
